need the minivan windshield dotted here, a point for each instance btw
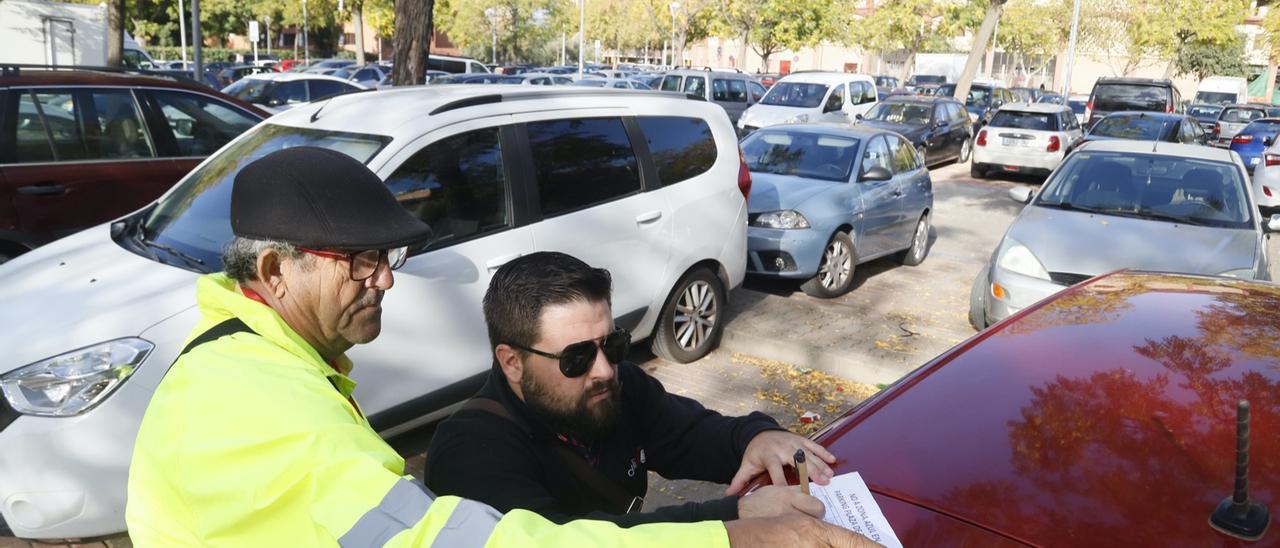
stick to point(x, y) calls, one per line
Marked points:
point(1113, 97)
point(194, 219)
point(1149, 186)
point(800, 154)
point(795, 94)
point(1131, 126)
point(1216, 98)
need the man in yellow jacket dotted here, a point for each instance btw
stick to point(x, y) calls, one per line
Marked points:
point(253, 438)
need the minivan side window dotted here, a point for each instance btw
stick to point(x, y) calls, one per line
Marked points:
point(457, 185)
point(321, 89)
point(836, 100)
point(671, 83)
point(581, 162)
point(757, 91)
point(731, 91)
point(695, 85)
point(682, 148)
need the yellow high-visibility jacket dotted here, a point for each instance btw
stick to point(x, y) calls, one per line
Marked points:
point(250, 440)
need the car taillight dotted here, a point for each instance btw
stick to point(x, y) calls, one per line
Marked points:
point(744, 176)
point(1242, 139)
point(1054, 144)
point(1168, 107)
point(1217, 128)
point(982, 138)
point(1266, 190)
point(1088, 110)
point(1272, 159)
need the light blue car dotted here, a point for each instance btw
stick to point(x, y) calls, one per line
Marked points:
point(827, 197)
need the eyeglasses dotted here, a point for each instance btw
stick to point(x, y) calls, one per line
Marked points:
point(576, 359)
point(365, 263)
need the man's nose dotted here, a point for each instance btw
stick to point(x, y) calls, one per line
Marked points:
point(382, 277)
point(601, 368)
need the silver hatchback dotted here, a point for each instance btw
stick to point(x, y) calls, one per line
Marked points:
point(1125, 204)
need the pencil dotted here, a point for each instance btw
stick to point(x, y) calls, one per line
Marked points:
point(802, 471)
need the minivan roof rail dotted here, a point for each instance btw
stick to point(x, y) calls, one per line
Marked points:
point(478, 100)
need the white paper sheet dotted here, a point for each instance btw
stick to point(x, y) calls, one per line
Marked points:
point(849, 505)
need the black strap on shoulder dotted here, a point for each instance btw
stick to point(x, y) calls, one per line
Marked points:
point(619, 499)
point(227, 327)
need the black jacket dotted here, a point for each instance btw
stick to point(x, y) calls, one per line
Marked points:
point(478, 455)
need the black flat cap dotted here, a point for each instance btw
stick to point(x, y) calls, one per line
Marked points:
point(320, 198)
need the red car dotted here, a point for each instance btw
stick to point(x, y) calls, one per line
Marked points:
point(1102, 416)
point(79, 148)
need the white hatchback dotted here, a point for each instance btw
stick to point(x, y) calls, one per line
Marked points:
point(1025, 138)
point(812, 97)
point(648, 185)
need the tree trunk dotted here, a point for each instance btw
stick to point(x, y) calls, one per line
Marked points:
point(359, 24)
point(115, 33)
point(742, 50)
point(979, 48)
point(1271, 81)
point(412, 40)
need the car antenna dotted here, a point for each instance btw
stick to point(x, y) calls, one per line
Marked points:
point(1237, 516)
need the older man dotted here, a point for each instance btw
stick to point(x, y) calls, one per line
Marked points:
point(253, 438)
point(566, 428)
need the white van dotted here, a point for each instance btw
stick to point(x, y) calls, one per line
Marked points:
point(1222, 90)
point(812, 97)
point(455, 65)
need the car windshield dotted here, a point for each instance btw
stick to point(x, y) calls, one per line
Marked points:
point(1113, 97)
point(901, 113)
point(1216, 97)
point(795, 94)
point(1024, 120)
point(926, 79)
point(1142, 128)
point(1149, 186)
point(800, 154)
point(1242, 115)
point(977, 95)
point(1077, 106)
point(1205, 112)
point(194, 217)
point(249, 90)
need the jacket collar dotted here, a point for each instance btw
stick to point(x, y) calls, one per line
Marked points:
point(219, 298)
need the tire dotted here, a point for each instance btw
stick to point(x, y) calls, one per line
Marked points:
point(924, 158)
point(977, 301)
point(977, 171)
point(966, 150)
point(914, 255)
point(692, 319)
point(829, 283)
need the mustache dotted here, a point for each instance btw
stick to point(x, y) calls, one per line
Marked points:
point(602, 387)
point(373, 298)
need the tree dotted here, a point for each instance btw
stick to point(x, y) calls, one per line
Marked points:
point(1168, 27)
point(771, 26)
point(115, 32)
point(522, 26)
point(913, 26)
point(1203, 59)
point(413, 26)
point(1030, 28)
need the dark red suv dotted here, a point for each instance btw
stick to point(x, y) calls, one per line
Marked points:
point(79, 148)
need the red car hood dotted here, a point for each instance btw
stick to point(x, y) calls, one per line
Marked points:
point(1105, 415)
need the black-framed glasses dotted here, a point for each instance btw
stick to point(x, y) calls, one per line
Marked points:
point(576, 359)
point(365, 263)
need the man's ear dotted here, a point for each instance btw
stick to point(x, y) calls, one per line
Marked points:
point(511, 363)
point(270, 272)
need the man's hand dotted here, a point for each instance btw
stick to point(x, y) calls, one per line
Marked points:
point(778, 500)
point(792, 532)
point(771, 450)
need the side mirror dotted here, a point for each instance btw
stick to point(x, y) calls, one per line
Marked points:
point(941, 124)
point(1267, 141)
point(1020, 194)
point(858, 116)
point(877, 173)
point(1273, 225)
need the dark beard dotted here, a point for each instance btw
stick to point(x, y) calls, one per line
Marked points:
point(575, 419)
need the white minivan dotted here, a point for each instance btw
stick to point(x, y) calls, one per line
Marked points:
point(1222, 90)
point(812, 97)
point(648, 185)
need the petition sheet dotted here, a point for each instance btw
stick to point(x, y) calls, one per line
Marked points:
point(849, 505)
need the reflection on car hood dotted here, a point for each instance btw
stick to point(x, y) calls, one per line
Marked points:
point(759, 115)
point(770, 192)
point(910, 131)
point(82, 290)
point(1083, 243)
point(1103, 415)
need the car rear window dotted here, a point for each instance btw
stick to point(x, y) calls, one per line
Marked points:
point(1043, 121)
point(1113, 97)
point(1205, 112)
point(1240, 115)
point(682, 148)
point(1144, 128)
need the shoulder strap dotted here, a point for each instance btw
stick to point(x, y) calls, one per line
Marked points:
point(227, 327)
point(621, 500)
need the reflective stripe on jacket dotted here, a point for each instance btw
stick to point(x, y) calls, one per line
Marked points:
point(250, 440)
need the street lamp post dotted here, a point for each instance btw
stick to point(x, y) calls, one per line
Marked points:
point(306, 44)
point(1071, 49)
point(675, 7)
point(582, 33)
point(492, 14)
point(182, 31)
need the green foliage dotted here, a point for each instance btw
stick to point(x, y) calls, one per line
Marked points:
point(523, 27)
point(771, 26)
point(1203, 59)
point(1167, 27)
point(916, 25)
point(1032, 27)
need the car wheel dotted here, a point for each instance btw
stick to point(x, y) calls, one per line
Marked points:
point(835, 269)
point(977, 171)
point(966, 148)
point(977, 301)
point(691, 322)
point(915, 254)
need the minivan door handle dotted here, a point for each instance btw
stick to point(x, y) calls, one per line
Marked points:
point(497, 262)
point(44, 189)
point(648, 217)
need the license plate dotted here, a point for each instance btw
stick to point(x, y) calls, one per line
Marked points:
point(1013, 142)
point(1253, 161)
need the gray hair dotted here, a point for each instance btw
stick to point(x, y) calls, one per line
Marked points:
point(240, 257)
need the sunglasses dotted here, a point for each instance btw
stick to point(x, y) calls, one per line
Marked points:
point(365, 263)
point(577, 358)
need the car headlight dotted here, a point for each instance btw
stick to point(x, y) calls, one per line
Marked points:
point(1018, 259)
point(76, 381)
point(1242, 273)
point(973, 117)
point(786, 219)
point(798, 119)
